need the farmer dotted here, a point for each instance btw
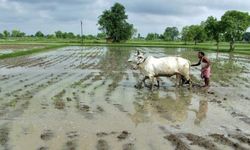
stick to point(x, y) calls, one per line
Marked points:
point(205, 67)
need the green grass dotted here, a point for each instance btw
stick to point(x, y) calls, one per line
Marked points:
point(240, 48)
point(224, 47)
point(224, 71)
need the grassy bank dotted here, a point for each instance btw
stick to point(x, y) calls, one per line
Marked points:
point(240, 48)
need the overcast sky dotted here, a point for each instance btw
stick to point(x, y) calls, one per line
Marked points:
point(146, 15)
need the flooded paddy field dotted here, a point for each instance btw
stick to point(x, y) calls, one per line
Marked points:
point(84, 98)
point(10, 48)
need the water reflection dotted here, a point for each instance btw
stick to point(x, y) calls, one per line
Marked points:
point(115, 59)
point(113, 64)
point(161, 106)
point(201, 112)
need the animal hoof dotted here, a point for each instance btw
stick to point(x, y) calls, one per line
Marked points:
point(156, 85)
point(138, 86)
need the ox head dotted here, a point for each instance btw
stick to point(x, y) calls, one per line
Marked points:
point(137, 59)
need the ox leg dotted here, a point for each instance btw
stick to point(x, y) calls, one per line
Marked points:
point(140, 82)
point(157, 79)
point(188, 80)
point(144, 79)
point(180, 80)
point(183, 80)
point(158, 82)
point(152, 82)
point(186, 74)
point(178, 76)
point(190, 83)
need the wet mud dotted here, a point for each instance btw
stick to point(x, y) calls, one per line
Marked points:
point(84, 98)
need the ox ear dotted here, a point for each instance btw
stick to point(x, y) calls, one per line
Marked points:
point(138, 52)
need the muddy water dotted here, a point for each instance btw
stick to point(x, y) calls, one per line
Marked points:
point(10, 48)
point(84, 98)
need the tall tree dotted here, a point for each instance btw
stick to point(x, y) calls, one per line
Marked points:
point(186, 35)
point(59, 34)
point(6, 33)
point(17, 33)
point(101, 35)
point(138, 36)
point(171, 33)
point(1, 35)
point(113, 23)
point(235, 24)
point(39, 34)
point(152, 36)
point(214, 29)
point(70, 35)
point(197, 33)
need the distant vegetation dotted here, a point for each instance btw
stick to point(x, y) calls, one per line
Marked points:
point(231, 28)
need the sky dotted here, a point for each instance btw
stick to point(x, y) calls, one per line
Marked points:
point(147, 16)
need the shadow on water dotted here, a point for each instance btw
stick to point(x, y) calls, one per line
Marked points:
point(201, 112)
point(161, 105)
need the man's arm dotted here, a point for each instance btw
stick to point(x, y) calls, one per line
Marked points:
point(197, 63)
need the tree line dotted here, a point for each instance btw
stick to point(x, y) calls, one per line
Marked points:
point(57, 34)
point(114, 27)
point(231, 27)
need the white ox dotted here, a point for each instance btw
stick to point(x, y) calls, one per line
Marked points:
point(152, 67)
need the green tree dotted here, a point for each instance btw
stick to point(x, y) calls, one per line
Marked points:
point(101, 35)
point(70, 35)
point(6, 33)
point(113, 23)
point(1, 35)
point(171, 33)
point(197, 33)
point(186, 35)
point(50, 36)
point(39, 34)
point(17, 33)
point(214, 29)
point(90, 37)
point(59, 34)
point(246, 36)
point(138, 36)
point(64, 35)
point(152, 36)
point(78, 36)
point(235, 24)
